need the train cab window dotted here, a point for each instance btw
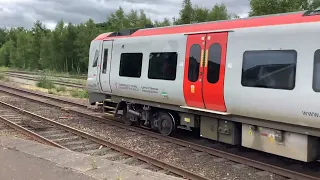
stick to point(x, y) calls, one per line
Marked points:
point(163, 65)
point(194, 62)
point(130, 65)
point(95, 59)
point(275, 69)
point(316, 71)
point(214, 59)
point(105, 61)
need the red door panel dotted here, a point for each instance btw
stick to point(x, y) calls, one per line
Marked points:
point(192, 86)
point(214, 69)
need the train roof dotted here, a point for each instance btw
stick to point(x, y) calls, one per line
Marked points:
point(269, 20)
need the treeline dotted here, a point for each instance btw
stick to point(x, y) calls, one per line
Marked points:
point(66, 48)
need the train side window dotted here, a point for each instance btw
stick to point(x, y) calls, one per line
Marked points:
point(316, 71)
point(130, 65)
point(105, 61)
point(214, 60)
point(163, 65)
point(95, 59)
point(194, 62)
point(275, 69)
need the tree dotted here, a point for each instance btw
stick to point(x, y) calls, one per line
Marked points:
point(314, 4)
point(265, 7)
point(186, 13)
point(165, 22)
point(218, 12)
point(3, 36)
point(200, 14)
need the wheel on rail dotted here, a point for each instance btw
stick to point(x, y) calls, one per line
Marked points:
point(167, 124)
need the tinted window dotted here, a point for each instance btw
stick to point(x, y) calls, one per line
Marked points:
point(95, 59)
point(316, 71)
point(194, 62)
point(105, 61)
point(130, 64)
point(214, 58)
point(163, 65)
point(274, 69)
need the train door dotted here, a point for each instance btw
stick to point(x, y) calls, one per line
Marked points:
point(105, 66)
point(94, 59)
point(204, 71)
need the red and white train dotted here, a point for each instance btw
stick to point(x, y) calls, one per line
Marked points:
point(253, 82)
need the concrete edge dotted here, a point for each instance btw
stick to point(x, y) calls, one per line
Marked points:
point(81, 163)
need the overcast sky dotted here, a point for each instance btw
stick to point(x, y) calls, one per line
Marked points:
point(25, 12)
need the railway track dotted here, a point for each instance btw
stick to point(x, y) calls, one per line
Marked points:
point(289, 173)
point(61, 76)
point(66, 137)
point(57, 82)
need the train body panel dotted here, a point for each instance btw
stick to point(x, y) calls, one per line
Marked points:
point(138, 85)
point(290, 90)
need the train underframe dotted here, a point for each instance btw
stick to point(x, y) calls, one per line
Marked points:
point(284, 143)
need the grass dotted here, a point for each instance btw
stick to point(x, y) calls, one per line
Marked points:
point(2, 68)
point(61, 89)
point(79, 93)
point(3, 77)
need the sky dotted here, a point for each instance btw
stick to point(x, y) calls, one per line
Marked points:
point(24, 13)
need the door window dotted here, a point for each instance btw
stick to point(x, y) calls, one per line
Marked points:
point(194, 62)
point(316, 71)
point(95, 59)
point(214, 60)
point(105, 61)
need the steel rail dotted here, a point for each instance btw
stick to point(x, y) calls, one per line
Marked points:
point(29, 133)
point(38, 94)
point(158, 163)
point(63, 83)
point(243, 160)
point(35, 73)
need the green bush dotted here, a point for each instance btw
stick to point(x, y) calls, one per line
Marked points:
point(45, 83)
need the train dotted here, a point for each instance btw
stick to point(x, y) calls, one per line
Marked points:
point(252, 82)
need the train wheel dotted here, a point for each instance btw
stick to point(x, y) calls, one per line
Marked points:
point(166, 125)
point(126, 121)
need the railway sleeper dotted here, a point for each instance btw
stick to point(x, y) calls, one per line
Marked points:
point(67, 139)
point(97, 152)
point(74, 143)
point(83, 147)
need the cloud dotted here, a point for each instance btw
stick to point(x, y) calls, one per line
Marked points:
point(24, 13)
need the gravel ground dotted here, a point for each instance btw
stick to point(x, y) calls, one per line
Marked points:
point(206, 165)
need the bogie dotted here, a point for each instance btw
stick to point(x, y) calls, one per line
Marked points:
point(152, 118)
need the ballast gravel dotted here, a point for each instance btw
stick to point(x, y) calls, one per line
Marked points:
point(206, 165)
